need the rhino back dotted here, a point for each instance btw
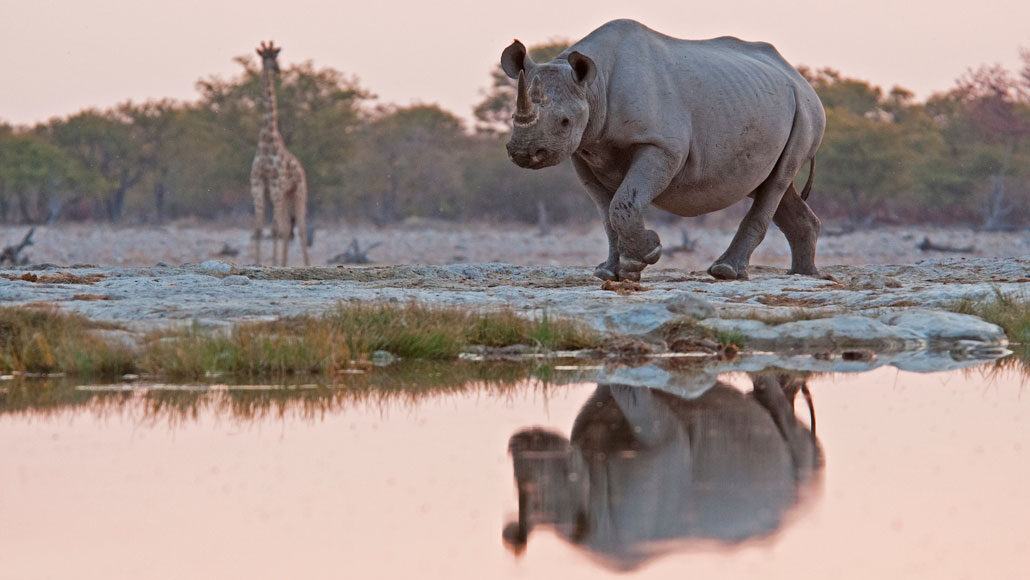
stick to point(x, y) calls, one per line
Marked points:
point(726, 106)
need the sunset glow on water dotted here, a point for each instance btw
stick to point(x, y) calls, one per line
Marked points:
point(923, 477)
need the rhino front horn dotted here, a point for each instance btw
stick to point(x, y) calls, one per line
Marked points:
point(525, 110)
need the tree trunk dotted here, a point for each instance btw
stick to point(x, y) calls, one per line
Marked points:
point(159, 201)
point(23, 207)
point(997, 209)
point(116, 204)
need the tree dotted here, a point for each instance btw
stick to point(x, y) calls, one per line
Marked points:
point(839, 92)
point(862, 158)
point(410, 164)
point(39, 178)
point(118, 144)
point(998, 104)
point(320, 111)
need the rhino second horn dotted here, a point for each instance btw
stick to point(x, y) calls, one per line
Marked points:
point(536, 92)
point(525, 110)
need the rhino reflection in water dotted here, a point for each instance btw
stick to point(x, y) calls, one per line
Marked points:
point(645, 468)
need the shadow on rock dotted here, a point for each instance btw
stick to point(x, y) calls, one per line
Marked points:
point(647, 472)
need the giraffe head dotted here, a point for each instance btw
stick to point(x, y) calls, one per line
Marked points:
point(269, 53)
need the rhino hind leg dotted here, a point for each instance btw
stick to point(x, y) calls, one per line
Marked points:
point(726, 271)
point(801, 227)
point(769, 198)
point(733, 263)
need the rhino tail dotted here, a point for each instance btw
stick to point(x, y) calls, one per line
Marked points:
point(811, 178)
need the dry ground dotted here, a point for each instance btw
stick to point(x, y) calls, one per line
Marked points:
point(421, 242)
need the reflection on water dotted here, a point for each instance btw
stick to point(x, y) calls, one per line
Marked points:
point(402, 384)
point(644, 469)
point(408, 473)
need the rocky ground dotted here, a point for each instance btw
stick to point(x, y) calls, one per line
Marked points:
point(420, 242)
point(891, 310)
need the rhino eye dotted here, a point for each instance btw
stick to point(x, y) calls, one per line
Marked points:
point(565, 122)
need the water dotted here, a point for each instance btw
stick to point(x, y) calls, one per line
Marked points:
point(907, 475)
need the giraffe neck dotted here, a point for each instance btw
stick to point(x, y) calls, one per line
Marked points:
point(270, 120)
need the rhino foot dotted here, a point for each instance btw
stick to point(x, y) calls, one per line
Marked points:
point(604, 272)
point(634, 258)
point(726, 271)
point(653, 255)
point(632, 276)
point(804, 271)
point(629, 269)
point(813, 272)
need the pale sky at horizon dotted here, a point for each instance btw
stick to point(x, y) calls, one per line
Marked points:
point(68, 55)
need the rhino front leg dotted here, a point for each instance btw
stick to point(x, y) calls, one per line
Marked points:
point(602, 198)
point(648, 176)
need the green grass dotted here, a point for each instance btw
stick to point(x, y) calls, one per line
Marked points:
point(44, 340)
point(691, 329)
point(405, 382)
point(48, 341)
point(1009, 311)
point(730, 338)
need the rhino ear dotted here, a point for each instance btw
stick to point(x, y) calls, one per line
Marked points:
point(514, 59)
point(583, 68)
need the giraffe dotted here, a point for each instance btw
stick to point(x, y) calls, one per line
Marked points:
point(276, 174)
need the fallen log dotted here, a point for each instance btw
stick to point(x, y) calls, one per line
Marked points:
point(927, 246)
point(10, 254)
point(355, 254)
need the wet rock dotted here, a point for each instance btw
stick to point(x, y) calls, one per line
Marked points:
point(236, 280)
point(838, 332)
point(693, 344)
point(637, 318)
point(382, 358)
point(689, 304)
point(688, 385)
point(625, 347)
point(858, 355)
point(937, 326)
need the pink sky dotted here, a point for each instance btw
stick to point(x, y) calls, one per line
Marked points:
point(67, 55)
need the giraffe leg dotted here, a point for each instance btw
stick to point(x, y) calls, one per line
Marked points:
point(300, 211)
point(257, 191)
point(280, 223)
point(282, 227)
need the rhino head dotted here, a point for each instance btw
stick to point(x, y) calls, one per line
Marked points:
point(551, 110)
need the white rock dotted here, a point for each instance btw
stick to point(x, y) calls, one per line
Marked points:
point(936, 326)
point(215, 266)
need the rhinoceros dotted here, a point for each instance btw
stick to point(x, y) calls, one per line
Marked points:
point(646, 471)
point(691, 126)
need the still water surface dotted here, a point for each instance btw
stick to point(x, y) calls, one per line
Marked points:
point(907, 476)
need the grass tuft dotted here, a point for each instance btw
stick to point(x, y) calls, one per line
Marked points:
point(346, 336)
point(730, 338)
point(44, 340)
point(1009, 311)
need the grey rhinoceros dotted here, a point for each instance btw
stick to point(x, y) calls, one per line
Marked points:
point(692, 126)
point(645, 471)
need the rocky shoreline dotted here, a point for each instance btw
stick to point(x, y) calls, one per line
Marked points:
point(882, 310)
